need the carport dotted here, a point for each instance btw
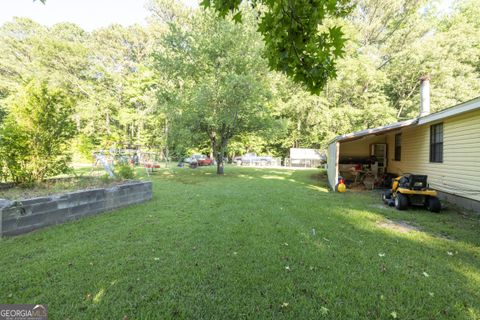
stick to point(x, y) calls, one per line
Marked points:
point(353, 154)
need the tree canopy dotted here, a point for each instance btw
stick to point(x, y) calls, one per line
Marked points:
point(219, 80)
point(299, 41)
point(177, 80)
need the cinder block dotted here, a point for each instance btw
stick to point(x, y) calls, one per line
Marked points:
point(65, 203)
point(4, 203)
point(110, 200)
point(80, 210)
point(32, 201)
point(61, 197)
point(97, 207)
point(148, 194)
point(16, 212)
point(75, 195)
point(21, 230)
point(101, 195)
point(39, 212)
point(9, 225)
point(44, 207)
point(120, 191)
point(118, 203)
point(84, 196)
point(31, 220)
point(56, 216)
point(129, 186)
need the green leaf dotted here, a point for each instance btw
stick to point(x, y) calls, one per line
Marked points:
point(237, 17)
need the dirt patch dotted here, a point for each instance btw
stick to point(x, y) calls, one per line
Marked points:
point(400, 226)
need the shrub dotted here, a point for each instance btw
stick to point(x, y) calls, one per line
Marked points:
point(124, 171)
point(35, 134)
point(14, 152)
point(105, 179)
point(83, 147)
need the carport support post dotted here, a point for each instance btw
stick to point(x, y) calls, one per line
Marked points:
point(337, 161)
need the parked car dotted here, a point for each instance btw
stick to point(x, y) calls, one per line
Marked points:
point(199, 159)
point(207, 161)
point(192, 158)
point(237, 160)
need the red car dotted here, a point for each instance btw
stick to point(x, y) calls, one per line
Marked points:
point(205, 161)
point(199, 160)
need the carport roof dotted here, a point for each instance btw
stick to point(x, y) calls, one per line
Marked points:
point(376, 131)
point(466, 106)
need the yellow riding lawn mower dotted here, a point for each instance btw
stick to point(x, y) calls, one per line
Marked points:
point(411, 189)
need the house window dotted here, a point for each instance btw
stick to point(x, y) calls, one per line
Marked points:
point(436, 143)
point(398, 147)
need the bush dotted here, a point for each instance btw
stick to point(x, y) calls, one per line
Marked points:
point(83, 147)
point(124, 171)
point(14, 151)
point(34, 138)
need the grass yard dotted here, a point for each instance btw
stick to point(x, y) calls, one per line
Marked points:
point(256, 243)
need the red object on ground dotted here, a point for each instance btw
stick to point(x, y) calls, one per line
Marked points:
point(205, 162)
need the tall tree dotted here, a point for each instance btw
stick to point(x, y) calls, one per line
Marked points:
point(218, 80)
point(121, 87)
point(297, 40)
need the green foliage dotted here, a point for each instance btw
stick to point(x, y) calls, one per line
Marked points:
point(105, 179)
point(84, 146)
point(405, 40)
point(124, 171)
point(35, 135)
point(223, 91)
point(14, 152)
point(293, 43)
point(175, 82)
point(120, 104)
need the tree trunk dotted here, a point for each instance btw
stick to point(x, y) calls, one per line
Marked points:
point(219, 158)
point(212, 150)
point(219, 165)
point(219, 152)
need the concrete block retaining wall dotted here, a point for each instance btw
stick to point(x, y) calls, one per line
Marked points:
point(17, 217)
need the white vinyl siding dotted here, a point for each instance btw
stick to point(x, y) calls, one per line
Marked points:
point(459, 173)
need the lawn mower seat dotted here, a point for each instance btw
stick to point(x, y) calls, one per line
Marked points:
point(413, 182)
point(417, 182)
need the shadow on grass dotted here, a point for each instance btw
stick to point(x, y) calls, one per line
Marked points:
point(436, 264)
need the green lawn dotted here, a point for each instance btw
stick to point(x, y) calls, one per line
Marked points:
point(256, 243)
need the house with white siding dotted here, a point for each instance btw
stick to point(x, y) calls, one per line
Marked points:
point(444, 145)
